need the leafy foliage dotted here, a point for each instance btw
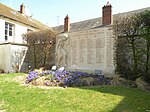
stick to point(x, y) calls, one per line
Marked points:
point(132, 35)
point(41, 48)
point(117, 80)
point(141, 84)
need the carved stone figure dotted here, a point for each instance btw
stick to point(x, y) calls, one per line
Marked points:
point(61, 52)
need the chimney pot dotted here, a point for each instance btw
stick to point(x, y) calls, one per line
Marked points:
point(22, 9)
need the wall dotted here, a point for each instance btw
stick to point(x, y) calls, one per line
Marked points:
point(8, 52)
point(2, 30)
point(12, 56)
point(18, 53)
point(19, 29)
point(5, 57)
point(89, 50)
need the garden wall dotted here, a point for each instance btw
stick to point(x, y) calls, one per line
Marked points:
point(12, 57)
point(5, 57)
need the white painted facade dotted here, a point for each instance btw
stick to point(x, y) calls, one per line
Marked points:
point(12, 50)
point(13, 24)
point(5, 57)
point(12, 57)
point(18, 30)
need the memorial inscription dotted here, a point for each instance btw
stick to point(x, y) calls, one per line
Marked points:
point(87, 48)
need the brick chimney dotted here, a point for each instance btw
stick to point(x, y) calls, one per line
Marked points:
point(66, 24)
point(107, 14)
point(22, 9)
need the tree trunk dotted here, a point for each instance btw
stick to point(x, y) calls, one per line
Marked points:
point(45, 58)
point(34, 54)
point(134, 59)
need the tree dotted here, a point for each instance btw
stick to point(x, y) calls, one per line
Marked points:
point(133, 45)
point(127, 32)
point(31, 39)
point(41, 46)
point(145, 34)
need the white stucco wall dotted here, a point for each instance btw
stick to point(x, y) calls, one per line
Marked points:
point(2, 30)
point(18, 54)
point(19, 29)
point(5, 57)
point(11, 56)
point(8, 60)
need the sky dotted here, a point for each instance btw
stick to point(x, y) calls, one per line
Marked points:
point(53, 12)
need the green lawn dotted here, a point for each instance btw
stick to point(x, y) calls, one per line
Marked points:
point(17, 98)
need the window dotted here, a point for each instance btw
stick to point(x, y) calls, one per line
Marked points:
point(29, 30)
point(8, 32)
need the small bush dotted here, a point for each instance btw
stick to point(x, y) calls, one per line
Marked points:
point(141, 84)
point(118, 81)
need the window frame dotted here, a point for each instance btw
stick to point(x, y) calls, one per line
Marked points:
point(9, 31)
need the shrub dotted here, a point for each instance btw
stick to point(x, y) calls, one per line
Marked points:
point(118, 81)
point(141, 84)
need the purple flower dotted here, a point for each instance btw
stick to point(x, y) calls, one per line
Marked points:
point(32, 75)
point(58, 78)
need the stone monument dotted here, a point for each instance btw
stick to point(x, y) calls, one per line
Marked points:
point(61, 51)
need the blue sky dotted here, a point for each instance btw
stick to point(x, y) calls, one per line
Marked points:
point(53, 12)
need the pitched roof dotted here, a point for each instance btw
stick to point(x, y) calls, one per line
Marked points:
point(14, 15)
point(93, 23)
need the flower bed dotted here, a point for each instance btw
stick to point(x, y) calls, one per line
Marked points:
point(65, 78)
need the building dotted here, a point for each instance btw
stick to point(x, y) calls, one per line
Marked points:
point(12, 25)
point(88, 45)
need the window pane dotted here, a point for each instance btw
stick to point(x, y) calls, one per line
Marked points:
point(6, 26)
point(6, 38)
point(6, 32)
point(10, 33)
point(10, 27)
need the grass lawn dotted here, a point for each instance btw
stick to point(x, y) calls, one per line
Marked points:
point(17, 98)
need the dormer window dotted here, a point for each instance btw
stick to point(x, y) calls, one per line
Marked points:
point(9, 32)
